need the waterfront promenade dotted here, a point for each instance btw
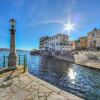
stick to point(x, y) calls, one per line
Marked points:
point(28, 87)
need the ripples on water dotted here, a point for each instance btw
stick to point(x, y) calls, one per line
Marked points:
point(79, 80)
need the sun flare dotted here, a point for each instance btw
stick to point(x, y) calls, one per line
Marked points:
point(68, 27)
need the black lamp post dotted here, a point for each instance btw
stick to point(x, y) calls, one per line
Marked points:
point(12, 58)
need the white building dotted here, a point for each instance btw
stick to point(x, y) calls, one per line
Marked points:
point(42, 43)
point(59, 42)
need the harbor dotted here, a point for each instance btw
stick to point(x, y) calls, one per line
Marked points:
point(49, 50)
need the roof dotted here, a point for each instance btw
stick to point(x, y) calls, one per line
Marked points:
point(83, 37)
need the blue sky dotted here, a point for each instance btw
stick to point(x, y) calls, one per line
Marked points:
point(36, 18)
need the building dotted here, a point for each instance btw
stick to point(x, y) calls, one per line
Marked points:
point(93, 39)
point(73, 44)
point(42, 43)
point(77, 44)
point(83, 43)
point(59, 42)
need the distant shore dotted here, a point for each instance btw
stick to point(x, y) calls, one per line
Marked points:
point(7, 49)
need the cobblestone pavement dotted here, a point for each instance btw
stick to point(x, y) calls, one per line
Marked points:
point(28, 87)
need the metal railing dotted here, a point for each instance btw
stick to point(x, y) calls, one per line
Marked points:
point(3, 61)
point(21, 61)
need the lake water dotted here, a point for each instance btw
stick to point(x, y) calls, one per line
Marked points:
point(79, 80)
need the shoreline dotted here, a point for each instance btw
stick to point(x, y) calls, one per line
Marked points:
point(85, 65)
point(88, 66)
point(82, 64)
point(74, 62)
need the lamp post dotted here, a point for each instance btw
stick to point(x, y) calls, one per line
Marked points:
point(12, 58)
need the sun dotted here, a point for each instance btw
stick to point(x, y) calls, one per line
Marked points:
point(68, 27)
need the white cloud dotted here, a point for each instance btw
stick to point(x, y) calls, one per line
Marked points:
point(54, 21)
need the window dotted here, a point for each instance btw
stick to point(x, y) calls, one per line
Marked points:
point(56, 37)
point(94, 34)
point(56, 44)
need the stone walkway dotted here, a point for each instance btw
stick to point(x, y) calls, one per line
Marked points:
point(28, 87)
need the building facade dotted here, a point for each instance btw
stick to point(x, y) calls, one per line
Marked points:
point(77, 44)
point(73, 44)
point(59, 42)
point(83, 43)
point(93, 39)
point(42, 43)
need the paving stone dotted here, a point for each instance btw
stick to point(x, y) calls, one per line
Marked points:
point(6, 94)
point(14, 88)
point(29, 88)
point(47, 94)
point(21, 85)
point(21, 95)
point(44, 89)
point(25, 80)
point(55, 97)
point(29, 97)
point(41, 94)
point(16, 81)
point(42, 98)
point(36, 98)
point(32, 95)
point(35, 93)
point(35, 85)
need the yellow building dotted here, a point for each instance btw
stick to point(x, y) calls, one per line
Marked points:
point(83, 42)
point(75, 45)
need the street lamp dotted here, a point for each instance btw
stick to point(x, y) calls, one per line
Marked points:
point(12, 58)
point(12, 22)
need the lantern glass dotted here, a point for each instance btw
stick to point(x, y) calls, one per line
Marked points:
point(12, 22)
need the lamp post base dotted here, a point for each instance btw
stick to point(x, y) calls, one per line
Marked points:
point(12, 61)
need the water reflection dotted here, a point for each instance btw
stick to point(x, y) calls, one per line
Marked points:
point(72, 75)
point(79, 80)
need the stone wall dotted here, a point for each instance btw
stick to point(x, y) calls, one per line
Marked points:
point(91, 59)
